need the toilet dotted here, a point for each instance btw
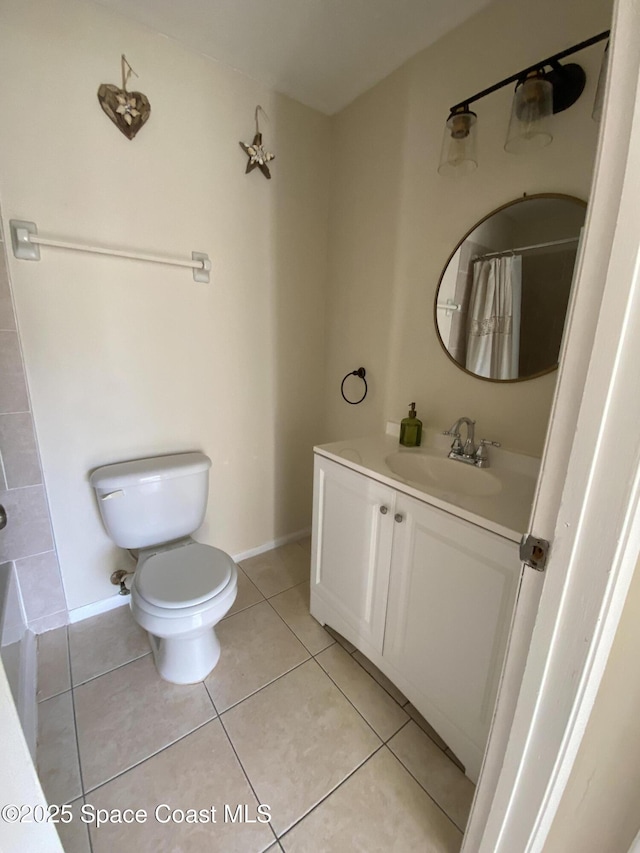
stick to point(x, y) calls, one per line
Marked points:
point(181, 588)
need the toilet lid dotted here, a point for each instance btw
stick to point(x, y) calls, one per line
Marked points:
point(184, 576)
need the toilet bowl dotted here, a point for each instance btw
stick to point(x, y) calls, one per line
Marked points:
point(181, 588)
point(178, 595)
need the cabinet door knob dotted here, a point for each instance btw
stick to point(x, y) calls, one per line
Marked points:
point(398, 517)
point(384, 510)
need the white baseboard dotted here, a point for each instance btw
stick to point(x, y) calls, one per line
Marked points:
point(275, 543)
point(78, 614)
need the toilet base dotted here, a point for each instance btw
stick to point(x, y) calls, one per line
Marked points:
point(185, 660)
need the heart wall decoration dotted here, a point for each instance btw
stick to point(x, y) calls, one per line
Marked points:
point(129, 111)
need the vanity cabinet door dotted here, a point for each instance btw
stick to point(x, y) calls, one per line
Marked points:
point(451, 598)
point(351, 551)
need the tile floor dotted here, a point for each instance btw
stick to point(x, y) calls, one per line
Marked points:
point(292, 717)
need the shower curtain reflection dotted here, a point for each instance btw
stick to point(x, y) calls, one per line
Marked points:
point(493, 321)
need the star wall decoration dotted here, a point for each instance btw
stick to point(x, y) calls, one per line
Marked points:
point(256, 153)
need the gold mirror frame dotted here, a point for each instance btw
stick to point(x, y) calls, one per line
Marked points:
point(525, 197)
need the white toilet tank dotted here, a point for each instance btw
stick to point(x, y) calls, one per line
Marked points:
point(153, 501)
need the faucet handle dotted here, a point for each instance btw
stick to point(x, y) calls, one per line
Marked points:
point(456, 444)
point(481, 456)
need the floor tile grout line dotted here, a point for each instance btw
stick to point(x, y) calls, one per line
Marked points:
point(289, 628)
point(403, 726)
point(314, 656)
point(428, 793)
point(262, 597)
point(75, 719)
point(274, 594)
point(242, 767)
point(84, 800)
point(280, 616)
point(86, 825)
point(204, 684)
point(442, 749)
point(239, 760)
point(376, 680)
point(250, 581)
point(241, 610)
point(293, 586)
point(54, 696)
point(75, 726)
point(403, 707)
point(268, 684)
point(411, 720)
point(332, 791)
point(107, 671)
point(406, 722)
point(244, 610)
point(148, 757)
point(381, 744)
point(382, 741)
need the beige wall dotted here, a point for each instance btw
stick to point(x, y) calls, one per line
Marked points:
point(394, 220)
point(600, 809)
point(126, 359)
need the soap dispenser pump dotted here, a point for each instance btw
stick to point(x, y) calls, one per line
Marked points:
point(411, 429)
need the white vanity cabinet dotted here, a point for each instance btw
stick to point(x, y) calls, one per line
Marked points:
point(451, 596)
point(351, 543)
point(426, 596)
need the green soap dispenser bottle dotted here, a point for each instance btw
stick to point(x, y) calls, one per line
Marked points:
point(411, 429)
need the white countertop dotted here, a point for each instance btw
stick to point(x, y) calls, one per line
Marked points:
point(506, 513)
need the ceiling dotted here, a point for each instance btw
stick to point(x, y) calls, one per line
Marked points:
point(323, 53)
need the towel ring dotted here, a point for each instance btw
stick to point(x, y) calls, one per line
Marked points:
point(361, 372)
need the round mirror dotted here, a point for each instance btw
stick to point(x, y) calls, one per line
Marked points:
point(503, 294)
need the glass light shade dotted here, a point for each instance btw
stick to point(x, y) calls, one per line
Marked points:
point(530, 116)
point(598, 103)
point(458, 154)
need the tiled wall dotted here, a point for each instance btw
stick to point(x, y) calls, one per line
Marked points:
point(27, 540)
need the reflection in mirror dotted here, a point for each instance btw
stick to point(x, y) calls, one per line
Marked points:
point(503, 295)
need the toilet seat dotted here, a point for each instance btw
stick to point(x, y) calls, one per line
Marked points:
point(184, 577)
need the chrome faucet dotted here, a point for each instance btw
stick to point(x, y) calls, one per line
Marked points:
point(457, 448)
point(468, 452)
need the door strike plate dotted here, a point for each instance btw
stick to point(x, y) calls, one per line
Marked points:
point(534, 552)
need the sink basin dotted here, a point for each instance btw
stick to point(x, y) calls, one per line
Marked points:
point(445, 475)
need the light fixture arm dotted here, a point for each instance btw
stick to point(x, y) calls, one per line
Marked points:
point(520, 75)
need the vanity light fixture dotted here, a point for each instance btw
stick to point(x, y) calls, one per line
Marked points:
point(541, 90)
point(531, 111)
point(458, 155)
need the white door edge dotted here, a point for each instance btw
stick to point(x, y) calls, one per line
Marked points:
point(597, 539)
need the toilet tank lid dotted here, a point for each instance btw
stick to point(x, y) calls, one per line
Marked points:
point(149, 470)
